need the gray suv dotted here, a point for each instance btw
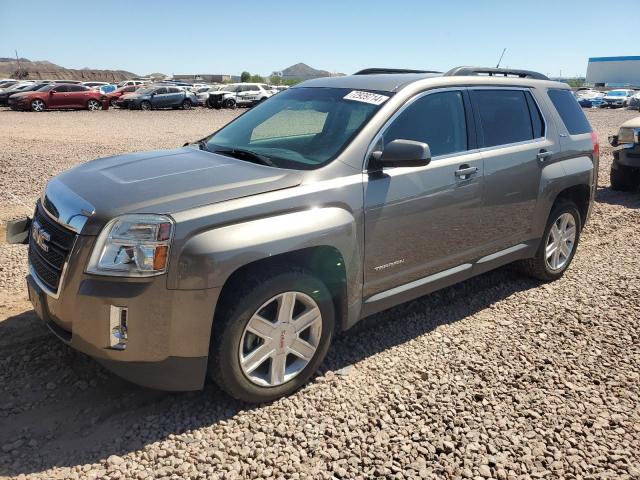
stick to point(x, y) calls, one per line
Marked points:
point(242, 255)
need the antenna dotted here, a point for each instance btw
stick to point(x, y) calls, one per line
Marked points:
point(502, 55)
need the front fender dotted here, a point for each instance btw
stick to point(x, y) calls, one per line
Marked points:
point(207, 259)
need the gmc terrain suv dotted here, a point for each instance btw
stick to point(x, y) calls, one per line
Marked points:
point(240, 256)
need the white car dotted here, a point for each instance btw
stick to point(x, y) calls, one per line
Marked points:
point(248, 94)
point(126, 83)
point(202, 92)
point(617, 98)
point(95, 85)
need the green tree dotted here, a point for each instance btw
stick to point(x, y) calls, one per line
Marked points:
point(275, 80)
point(257, 79)
point(245, 76)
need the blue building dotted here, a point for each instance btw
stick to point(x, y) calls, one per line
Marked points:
point(614, 71)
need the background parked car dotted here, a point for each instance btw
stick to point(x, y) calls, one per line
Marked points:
point(17, 88)
point(127, 83)
point(617, 98)
point(634, 102)
point(116, 94)
point(57, 96)
point(158, 96)
point(112, 87)
point(590, 98)
point(95, 85)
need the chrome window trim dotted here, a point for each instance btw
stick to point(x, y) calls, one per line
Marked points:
point(398, 112)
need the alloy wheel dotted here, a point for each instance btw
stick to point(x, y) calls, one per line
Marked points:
point(37, 105)
point(560, 242)
point(280, 339)
point(93, 105)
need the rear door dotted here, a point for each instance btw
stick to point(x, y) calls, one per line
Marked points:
point(175, 96)
point(78, 96)
point(515, 141)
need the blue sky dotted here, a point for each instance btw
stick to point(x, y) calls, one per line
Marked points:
point(196, 36)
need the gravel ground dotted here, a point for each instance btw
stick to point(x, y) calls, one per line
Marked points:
point(498, 377)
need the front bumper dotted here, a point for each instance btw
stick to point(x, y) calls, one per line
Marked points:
point(628, 155)
point(168, 330)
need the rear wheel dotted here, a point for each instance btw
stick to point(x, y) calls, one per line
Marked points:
point(93, 105)
point(271, 336)
point(186, 105)
point(145, 105)
point(229, 103)
point(623, 178)
point(558, 245)
point(37, 105)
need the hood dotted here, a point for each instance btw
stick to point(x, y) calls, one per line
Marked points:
point(632, 123)
point(21, 94)
point(168, 181)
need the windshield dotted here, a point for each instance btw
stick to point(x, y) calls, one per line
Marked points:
point(617, 93)
point(301, 128)
point(48, 87)
point(146, 91)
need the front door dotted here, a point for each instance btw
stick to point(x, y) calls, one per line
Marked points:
point(160, 98)
point(58, 97)
point(423, 220)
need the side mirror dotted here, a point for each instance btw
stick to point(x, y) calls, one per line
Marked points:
point(51, 92)
point(401, 153)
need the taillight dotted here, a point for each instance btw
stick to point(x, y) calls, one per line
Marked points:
point(596, 143)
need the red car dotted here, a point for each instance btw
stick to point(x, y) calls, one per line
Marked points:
point(116, 94)
point(58, 96)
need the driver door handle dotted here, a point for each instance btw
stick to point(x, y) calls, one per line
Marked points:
point(465, 171)
point(544, 155)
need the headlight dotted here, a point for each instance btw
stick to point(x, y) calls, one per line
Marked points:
point(133, 246)
point(628, 135)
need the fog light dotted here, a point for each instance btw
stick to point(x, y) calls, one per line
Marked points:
point(118, 317)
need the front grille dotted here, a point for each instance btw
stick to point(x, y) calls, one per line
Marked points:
point(48, 264)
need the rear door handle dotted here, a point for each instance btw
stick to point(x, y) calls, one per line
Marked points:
point(544, 155)
point(465, 172)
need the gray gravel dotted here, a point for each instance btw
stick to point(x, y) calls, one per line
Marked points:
point(498, 377)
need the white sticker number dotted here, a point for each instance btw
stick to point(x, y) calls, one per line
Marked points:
point(366, 97)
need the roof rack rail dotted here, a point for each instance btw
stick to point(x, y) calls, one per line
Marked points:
point(494, 72)
point(374, 71)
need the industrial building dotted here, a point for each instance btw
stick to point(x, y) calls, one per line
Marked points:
point(614, 71)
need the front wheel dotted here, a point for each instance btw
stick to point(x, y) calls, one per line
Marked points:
point(271, 336)
point(146, 105)
point(229, 103)
point(37, 105)
point(93, 105)
point(623, 178)
point(558, 245)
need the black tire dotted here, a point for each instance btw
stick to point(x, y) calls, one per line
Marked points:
point(145, 105)
point(537, 266)
point(229, 103)
point(186, 105)
point(235, 312)
point(623, 178)
point(112, 103)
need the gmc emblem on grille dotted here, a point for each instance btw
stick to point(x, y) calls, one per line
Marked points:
point(40, 236)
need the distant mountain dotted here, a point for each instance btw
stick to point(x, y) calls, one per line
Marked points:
point(45, 70)
point(302, 71)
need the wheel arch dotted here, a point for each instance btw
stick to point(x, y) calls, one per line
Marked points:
point(324, 262)
point(580, 195)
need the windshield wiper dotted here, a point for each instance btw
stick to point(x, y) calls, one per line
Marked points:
point(246, 155)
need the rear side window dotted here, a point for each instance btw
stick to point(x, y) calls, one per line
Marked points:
point(570, 111)
point(437, 119)
point(504, 116)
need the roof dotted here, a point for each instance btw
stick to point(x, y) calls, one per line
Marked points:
point(614, 59)
point(388, 82)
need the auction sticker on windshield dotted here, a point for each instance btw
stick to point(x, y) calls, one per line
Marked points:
point(366, 97)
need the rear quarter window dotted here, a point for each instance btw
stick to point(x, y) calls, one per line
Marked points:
point(570, 111)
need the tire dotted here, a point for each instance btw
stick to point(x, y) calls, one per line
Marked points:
point(112, 103)
point(38, 105)
point(186, 105)
point(623, 178)
point(93, 105)
point(540, 266)
point(232, 340)
point(145, 105)
point(229, 103)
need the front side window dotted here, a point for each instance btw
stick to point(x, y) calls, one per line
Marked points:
point(437, 119)
point(504, 116)
point(302, 128)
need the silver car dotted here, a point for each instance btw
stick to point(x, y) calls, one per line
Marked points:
point(240, 257)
